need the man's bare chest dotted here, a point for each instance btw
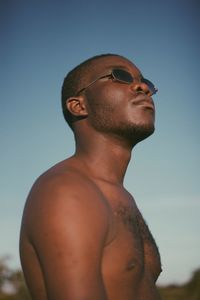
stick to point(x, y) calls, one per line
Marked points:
point(131, 242)
point(131, 227)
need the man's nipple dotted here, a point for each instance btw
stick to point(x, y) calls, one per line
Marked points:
point(131, 266)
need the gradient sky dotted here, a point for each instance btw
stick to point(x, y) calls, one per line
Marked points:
point(40, 42)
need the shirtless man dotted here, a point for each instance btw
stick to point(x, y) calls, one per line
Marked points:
point(82, 235)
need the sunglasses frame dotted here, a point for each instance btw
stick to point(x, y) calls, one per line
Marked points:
point(115, 77)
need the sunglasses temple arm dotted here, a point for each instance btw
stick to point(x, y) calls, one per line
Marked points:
point(104, 76)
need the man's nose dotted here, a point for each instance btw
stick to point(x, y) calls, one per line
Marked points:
point(141, 87)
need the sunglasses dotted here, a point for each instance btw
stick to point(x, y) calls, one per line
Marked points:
point(124, 77)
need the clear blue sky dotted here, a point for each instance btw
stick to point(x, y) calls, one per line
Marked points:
point(40, 42)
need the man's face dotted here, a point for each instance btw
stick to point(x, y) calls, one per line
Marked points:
point(119, 108)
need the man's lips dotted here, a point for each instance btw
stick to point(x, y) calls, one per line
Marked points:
point(143, 100)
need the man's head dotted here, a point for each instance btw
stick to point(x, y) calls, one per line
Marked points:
point(113, 94)
point(76, 79)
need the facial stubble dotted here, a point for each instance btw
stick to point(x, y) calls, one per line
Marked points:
point(103, 120)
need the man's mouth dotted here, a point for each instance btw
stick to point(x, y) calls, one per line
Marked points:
point(143, 100)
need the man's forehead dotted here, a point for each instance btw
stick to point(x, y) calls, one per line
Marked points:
point(110, 62)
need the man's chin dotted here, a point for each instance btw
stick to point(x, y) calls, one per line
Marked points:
point(143, 134)
point(136, 134)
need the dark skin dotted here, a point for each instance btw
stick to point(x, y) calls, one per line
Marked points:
point(82, 236)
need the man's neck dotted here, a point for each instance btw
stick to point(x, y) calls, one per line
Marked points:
point(105, 157)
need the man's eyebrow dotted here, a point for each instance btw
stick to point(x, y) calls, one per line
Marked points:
point(117, 67)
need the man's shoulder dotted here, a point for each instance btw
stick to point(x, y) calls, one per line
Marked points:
point(62, 175)
point(64, 185)
point(63, 198)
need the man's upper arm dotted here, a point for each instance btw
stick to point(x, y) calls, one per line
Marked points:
point(68, 231)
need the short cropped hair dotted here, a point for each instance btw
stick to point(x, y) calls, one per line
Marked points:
point(75, 80)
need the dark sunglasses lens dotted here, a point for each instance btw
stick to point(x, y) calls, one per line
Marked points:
point(150, 85)
point(122, 75)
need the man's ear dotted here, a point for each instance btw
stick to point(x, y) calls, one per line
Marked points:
point(76, 106)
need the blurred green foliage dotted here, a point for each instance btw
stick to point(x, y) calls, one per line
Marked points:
point(188, 291)
point(12, 286)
